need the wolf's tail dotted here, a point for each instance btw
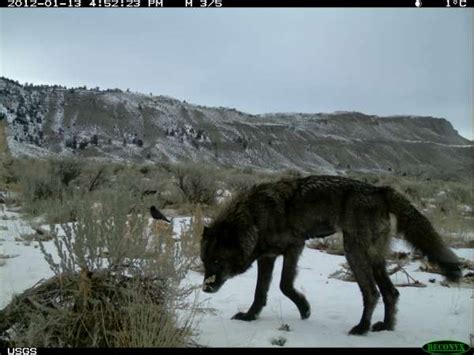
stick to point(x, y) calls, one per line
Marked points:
point(419, 232)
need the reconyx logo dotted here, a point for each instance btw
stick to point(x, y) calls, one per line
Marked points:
point(446, 347)
point(21, 351)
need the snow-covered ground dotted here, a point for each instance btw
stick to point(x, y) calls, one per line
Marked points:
point(425, 314)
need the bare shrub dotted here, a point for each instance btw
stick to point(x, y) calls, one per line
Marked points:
point(93, 177)
point(8, 171)
point(117, 283)
point(196, 182)
point(149, 325)
point(46, 186)
point(65, 170)
point(37, 184)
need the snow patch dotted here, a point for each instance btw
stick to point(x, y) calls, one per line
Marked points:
point(434, 312)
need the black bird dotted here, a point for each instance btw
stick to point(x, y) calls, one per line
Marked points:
point(156, 214)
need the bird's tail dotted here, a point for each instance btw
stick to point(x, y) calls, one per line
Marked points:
point(156, 214)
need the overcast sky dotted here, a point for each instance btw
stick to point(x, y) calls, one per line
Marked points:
point(377, 61)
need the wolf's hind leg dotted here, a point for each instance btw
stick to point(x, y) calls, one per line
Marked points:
point(389, 294)
point(362, 270)
point(264, 278)
point(288, 276)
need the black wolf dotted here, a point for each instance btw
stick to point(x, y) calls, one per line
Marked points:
point(274, 219)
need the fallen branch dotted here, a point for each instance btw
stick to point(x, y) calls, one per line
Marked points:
point(411, 284)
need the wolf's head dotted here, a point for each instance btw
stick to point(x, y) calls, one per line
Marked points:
point(225, 253)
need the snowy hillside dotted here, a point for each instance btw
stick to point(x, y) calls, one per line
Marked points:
point(120, 125)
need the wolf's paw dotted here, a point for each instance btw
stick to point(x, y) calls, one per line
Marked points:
point(306, 313)
point(304, 308)
point(359, 329)
point(379, 326)
point(244, 316)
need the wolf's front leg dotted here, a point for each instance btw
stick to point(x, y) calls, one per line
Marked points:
point(288, 276)
point(265, 269)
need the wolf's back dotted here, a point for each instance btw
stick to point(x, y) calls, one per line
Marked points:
point(419, 232)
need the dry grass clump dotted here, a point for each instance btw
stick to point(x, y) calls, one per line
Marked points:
point(83, 309)
point(116, 284)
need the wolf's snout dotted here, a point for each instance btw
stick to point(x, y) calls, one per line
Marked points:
point(208, 289)
point(210, 280)
point(207, 284)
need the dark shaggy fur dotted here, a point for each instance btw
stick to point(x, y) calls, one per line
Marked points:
point(275, 219)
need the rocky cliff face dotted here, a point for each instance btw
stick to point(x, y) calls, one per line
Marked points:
point(113, 124)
